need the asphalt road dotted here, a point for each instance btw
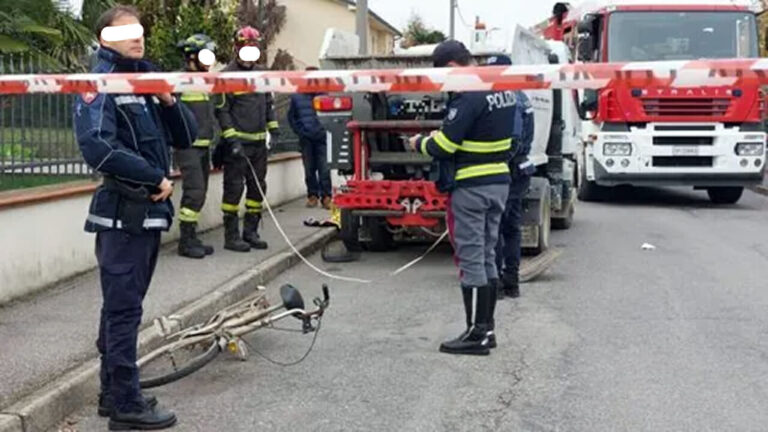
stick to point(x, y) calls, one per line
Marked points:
point(612, 338)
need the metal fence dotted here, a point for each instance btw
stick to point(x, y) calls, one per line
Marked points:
point(37, 142)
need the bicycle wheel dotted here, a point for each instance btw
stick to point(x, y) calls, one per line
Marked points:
point(176, 360)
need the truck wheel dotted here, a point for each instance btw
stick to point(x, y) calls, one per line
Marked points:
point(566, 222)
point(589, 190)
point(350, 231)
point(381, 238)
point(725, 195)
point(544, 226)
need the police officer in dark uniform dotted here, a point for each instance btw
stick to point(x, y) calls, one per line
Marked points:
point(510, 236)
point(195, 162)
point(477, 137)
point(124, 137)
point(245, 120)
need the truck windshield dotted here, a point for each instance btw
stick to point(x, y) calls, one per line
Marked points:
point(658, 36)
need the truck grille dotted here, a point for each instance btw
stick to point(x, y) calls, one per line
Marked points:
point(682, 161)
point(683, 140)
point(686, 107)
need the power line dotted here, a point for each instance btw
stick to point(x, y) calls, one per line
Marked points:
point(461, 16)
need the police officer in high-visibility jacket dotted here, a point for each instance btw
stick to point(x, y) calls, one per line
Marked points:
point(510, 234)
point(245, 120)
point(195, 162)
point(477, 137)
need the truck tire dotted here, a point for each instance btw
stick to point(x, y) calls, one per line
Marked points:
point(589, 190)
point(350, 231)
point(544, 227)
point(381, 238)
point(725, 195)
point(566, 222)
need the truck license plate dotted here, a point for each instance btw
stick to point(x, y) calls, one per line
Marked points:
point(685, 151)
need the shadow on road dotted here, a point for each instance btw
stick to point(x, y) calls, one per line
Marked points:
point(662, 197)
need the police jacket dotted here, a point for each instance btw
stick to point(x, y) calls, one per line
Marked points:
point(303, 118)
point(524, 128)
point(201, 105)
point(243, 115)
point(477, 134)
point(126, 138)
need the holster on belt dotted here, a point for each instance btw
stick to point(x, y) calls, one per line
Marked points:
point(133, 205)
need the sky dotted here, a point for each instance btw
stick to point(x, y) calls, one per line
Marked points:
point(503, 14)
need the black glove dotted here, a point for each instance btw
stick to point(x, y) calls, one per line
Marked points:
point(235, 148)
point(274, 133)
point(219, 153)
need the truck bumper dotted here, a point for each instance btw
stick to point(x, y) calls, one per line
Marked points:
point(605, 178)
point(662, 154)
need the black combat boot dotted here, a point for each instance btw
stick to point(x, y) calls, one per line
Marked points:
point(494, 285)
point(474, 341)
point(187, 246)
point(251, 231)
point(142, 417)
point(510, 284)
point(232, 239)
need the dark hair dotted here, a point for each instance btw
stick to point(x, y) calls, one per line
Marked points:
point(311, 68)
point(110, 15)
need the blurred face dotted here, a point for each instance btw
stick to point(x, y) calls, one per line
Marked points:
point(123, 36)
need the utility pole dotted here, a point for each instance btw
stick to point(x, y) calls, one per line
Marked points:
point(453, 19)
point(362, 25)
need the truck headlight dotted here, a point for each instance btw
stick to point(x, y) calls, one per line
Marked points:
point(749, 149)
point(617, 149)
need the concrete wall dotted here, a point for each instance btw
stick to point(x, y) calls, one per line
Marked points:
point(307, 21)
point(43, 243)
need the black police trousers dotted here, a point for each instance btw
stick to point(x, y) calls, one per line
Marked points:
point(126, 264)
point(238, 174)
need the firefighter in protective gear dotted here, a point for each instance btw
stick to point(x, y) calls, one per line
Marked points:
point(477, 136)
point(195, 162)
point(245, 120)
point(510, 235)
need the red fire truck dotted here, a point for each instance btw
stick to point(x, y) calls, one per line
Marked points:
point(708, 138)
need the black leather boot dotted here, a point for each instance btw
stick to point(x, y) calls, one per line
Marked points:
point(510, 284)
point(187, 246)
point(251, 231)
point(494, 285)
point(142, 418)
point(232, 239)
point(473, 341)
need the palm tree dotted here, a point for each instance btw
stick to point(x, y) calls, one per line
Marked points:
point(40, 28)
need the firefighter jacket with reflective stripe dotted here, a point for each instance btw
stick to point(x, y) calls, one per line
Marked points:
point(126, 137)
point(245, 116)
point(477, 134)
point(201, 106)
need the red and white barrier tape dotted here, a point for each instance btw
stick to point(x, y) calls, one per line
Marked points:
point(579, 76)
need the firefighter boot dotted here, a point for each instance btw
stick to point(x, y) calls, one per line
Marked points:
point(187, 246)
point(232, 240)
point(199, 243)
point(474, 341)
point(251, 231)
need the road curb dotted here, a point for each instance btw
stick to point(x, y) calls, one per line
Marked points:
point(48, 406)
point(760, 189)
